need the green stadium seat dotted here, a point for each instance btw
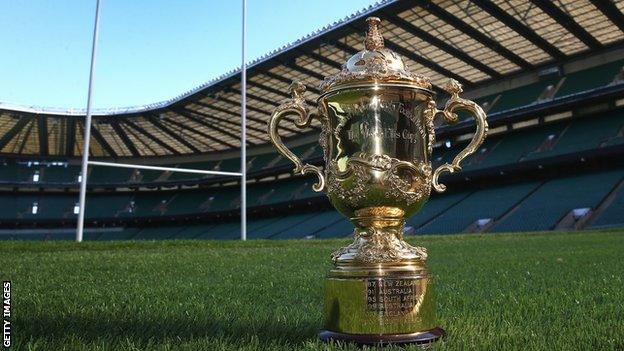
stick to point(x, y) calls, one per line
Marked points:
point(484, 204)
point(591, 78)
point(584, 134)
point(437, 204)
point(612, 216)
point(556, 198)
point(522, 96)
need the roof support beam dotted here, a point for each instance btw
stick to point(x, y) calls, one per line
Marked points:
point(275, 91)
point(189, 114)
point(226, 111)
point(252, 96)
point(475, 34)
point(261, 111)
point(520, 28)
point(42, 131)
point(150, 136)
point(344, 47)
point(288, 81)
point(70, 131)
point(223, 120)
point(124, 138)
point(200, 133)
point(321, 58)
point(425, 62)
point(95, 133)
point(25, 138)
point(17, 127)
point(431, 39)
point(304, 70)
point(608, 8)
point(568, 23)
point(156, 121)
point(250, 108)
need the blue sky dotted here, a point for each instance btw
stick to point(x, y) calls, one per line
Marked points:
point(149, 51)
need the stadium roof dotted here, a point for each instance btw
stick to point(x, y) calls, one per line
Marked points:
point(476, 42)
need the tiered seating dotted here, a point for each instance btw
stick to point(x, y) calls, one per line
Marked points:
point(556, 198)
point(514, 147)
point(224, 231)
point(193, 232)
point(109, 175)
point(122, 234)
point(522, 96)
point(60, 174)
point(591, 78)
point(334, 225)
point(68, 234)
point(613, 215)
point(584, 134)
point(106, 205)
point(157, 233)
point(436, 205)
point(517, 207)
point(287, 224)
point(10, 172)
point(485, 204)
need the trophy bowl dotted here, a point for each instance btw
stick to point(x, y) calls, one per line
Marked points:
point(377, 121)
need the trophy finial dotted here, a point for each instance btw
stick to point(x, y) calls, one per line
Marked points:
point(374, 40)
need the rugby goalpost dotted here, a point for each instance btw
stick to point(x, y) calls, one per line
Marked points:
point(87, 135)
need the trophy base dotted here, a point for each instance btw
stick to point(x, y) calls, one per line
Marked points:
point(383, 303)
point(423, 339)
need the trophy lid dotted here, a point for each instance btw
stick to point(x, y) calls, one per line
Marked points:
point(374, 65)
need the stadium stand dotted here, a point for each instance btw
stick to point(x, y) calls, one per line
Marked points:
point(553, 160)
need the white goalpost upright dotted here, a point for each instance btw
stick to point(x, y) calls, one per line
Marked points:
point(87, 128)
point(87, 136)
point(244, 127)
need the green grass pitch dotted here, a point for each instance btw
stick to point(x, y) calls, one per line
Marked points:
point(544, 291)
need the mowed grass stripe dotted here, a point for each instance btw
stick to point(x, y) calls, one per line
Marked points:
point(543, 291)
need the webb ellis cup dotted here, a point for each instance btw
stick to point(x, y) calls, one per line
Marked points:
point(377, 122)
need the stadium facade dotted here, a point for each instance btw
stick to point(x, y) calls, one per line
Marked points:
point(550, 76)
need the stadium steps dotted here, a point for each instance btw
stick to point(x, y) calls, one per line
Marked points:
point(434, 208)
point(119, 234)
point(584, 134)
point(338, 226)
point(543, 209)
point(511, 211)
point(157, 233)
point(609, 203)
point(192, 232)
point(307, 227)
point(488, 203)
point(591, 78)
point(223, 231)
point(288, 227)
point(612, 216)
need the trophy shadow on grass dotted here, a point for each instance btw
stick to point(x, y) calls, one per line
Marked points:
point(93, 329)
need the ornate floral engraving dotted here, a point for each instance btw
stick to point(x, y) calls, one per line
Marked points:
point(402, 181)
point(380, 245)
point(412, 188)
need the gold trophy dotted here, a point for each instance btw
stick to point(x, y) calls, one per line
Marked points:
point(378, 134)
